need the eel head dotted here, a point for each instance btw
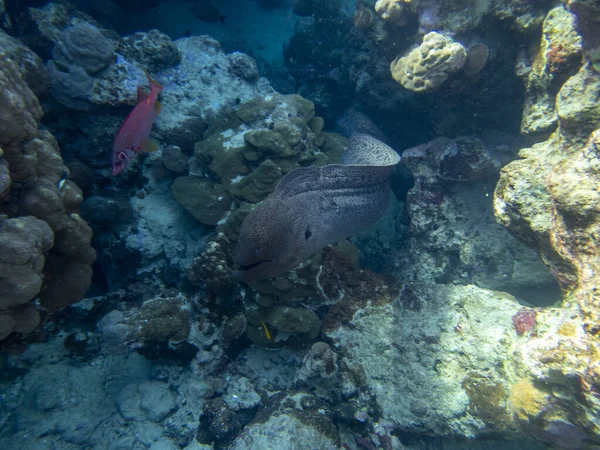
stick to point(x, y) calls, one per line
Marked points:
point(274, 238)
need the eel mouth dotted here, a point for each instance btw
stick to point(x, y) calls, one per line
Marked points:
point(250, 272)
point(253, 265)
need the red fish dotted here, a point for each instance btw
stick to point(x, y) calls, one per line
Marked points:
point(133, 135)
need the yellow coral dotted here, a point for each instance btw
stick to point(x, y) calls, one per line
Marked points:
point(425, 68)
point(393, 10)
point(526, 400)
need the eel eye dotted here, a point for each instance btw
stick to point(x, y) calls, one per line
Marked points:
point(307, 234)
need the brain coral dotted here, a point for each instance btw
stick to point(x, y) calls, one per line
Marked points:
point(425, 68)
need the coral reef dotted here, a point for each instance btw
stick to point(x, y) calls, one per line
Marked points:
point(431, 366)
point(547, 199)
point(248, 150)
point(4, 19)
point(544, 72)
point(453, 236)
point(394, 10)
point(427, 67)
point(479, 327)
point(213, 266)
point(153, 50)
point(28, 63)
point(85, 46)
point(24, 242)
point(46, 244)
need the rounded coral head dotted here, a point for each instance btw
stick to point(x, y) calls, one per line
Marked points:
point(363, 18)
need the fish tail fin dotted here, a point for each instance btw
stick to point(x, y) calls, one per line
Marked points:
point(153, 83)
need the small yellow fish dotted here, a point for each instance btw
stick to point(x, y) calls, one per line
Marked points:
point(267, 334)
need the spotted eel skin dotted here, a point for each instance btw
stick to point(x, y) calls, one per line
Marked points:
point(313, 207)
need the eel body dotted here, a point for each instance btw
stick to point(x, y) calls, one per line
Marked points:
point(313, 207)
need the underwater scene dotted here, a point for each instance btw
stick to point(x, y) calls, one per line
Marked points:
point(299, 224)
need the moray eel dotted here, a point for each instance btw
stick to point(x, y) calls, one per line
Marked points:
point(313, 207)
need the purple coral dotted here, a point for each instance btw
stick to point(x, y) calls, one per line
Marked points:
point(525, 321)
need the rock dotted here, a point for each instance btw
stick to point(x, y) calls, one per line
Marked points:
point(98, 210)
point(461, 159)
point(462, 240)
point(523, 18)
point(241, 394)
point(255, 187)
point(163, 319)
point(293, 320)
point(174, 159)
point(305, 420)
point(156, 400)
point(243, 66)
point(66, 282)
point(29, 64)
point(42, 27)
point(154, 50)
point(213, 267)
point(208, 202)
point(395, 10)
point(115, 331)
point(4, 18)
point(426, 330)
point(203, 69)
point(320, 362)
point(83, 45)
point(543, 74)
point(71, 85)
point(5, 180)
point(549, 199)
point(20, 114)
point(428, 66)
point(576, 104)
point(23, 242)
point(201, 55)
